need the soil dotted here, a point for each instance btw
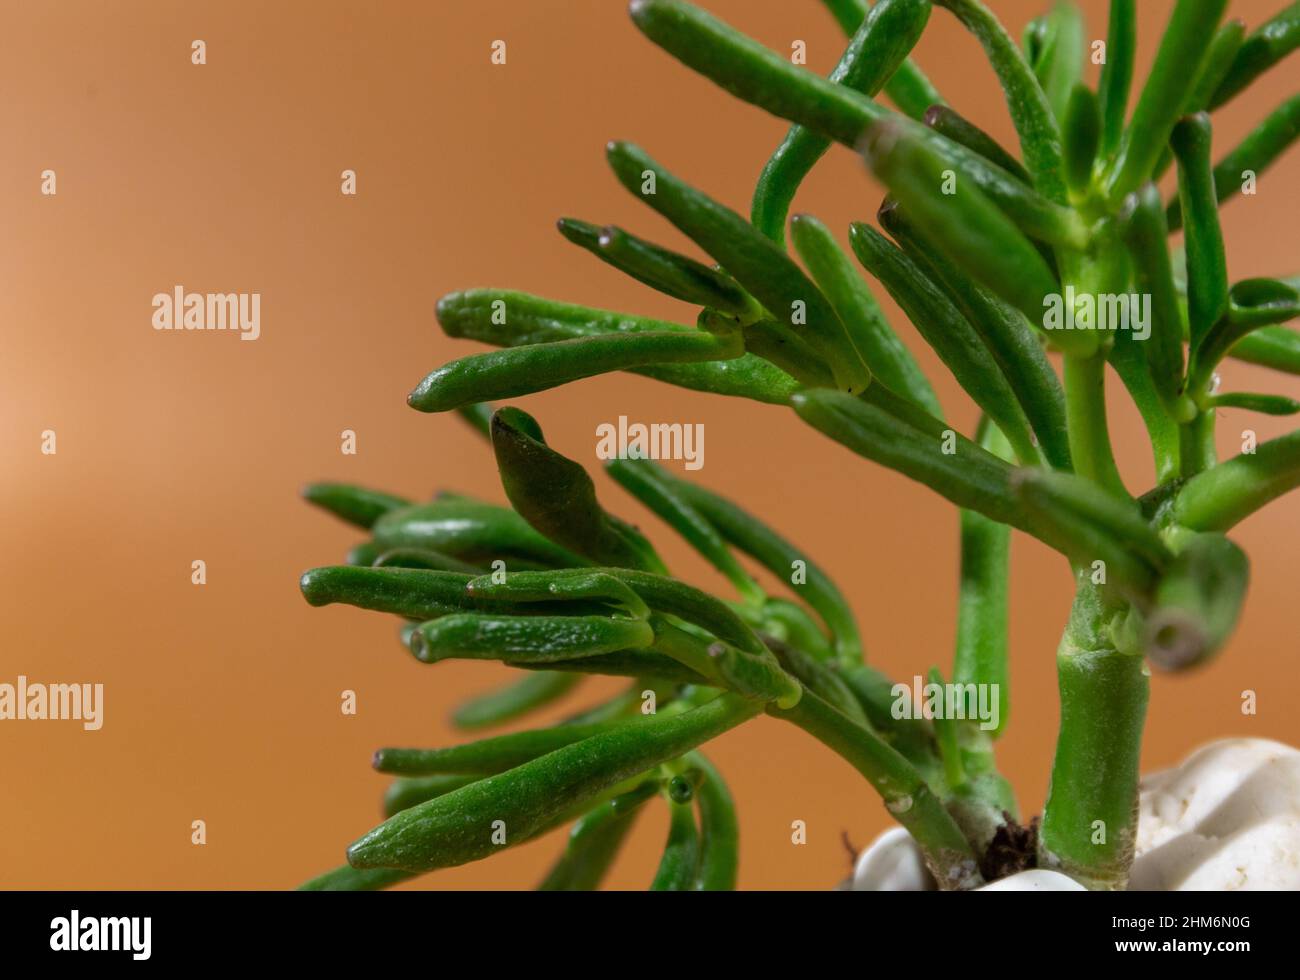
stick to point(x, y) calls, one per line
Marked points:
point(1014, 848)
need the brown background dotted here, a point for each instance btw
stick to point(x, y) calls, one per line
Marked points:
point(222, 702)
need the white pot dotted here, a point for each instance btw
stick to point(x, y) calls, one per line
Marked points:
point(1226, 819)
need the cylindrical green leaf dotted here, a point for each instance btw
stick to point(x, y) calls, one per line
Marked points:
point(946, 330)
point(888, 358)
point(535, 639)
point(1082, 137)
point(472, 532)
point(910, 90)
point(1252, 157)
point(461, 826)
point(1265, 404)
point(676, 275)
point(1146, 237)
point(679, 865)
point(356, 505)
point(641, 478)
point(1040, 135)
point(1266, 46)
point(512, 319)
point(877, 48)
point(964, 224)
point(515, 700)
point(1117, 72)
point(1207, 270)
point(519, 371)
point(947, 121)
point(1005, 333)
point(968, 475)
point(760, 266)
point(1182, 50)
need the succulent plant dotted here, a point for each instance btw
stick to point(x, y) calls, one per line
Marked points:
point(999, 259)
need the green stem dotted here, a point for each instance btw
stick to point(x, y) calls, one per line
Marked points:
point(906, 795)
point(1085, 406)
point(1090, 819)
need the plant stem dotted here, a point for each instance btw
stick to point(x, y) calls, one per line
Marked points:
point(1090, 820)
point(1085, 406)
point(906, 794)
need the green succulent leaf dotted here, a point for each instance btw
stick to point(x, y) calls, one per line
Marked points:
point(884, 39)
point(511, 319)
point(1182, 51)
point(1266, 46)
point(949, 123)
point(644, 480)
point(1117, 73)
point(353, 504)
point(472, 532)
point(530, 799)
point(943, 327)
point(885, 354)
point(1008, 337)
point(760, 266)
point(909, 89)
point(531, 639)
point(1219, 498)
point(595, 842)
point(516, 700)
point(1254, 155)
point(965, 225)
point(659, 268)
point(1207, 271)
point(1040, 134)
point(557, 497)
point(678, 868)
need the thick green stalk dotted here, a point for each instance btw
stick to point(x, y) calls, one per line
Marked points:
point(1090, 819)
point(906, 795)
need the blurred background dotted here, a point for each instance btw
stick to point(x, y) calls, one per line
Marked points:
point(222, 701)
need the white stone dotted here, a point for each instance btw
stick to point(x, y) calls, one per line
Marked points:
point(1226, 819)
point(892, 863)
point(1034, 880)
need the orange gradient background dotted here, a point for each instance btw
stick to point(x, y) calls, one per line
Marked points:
point(222, 702)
